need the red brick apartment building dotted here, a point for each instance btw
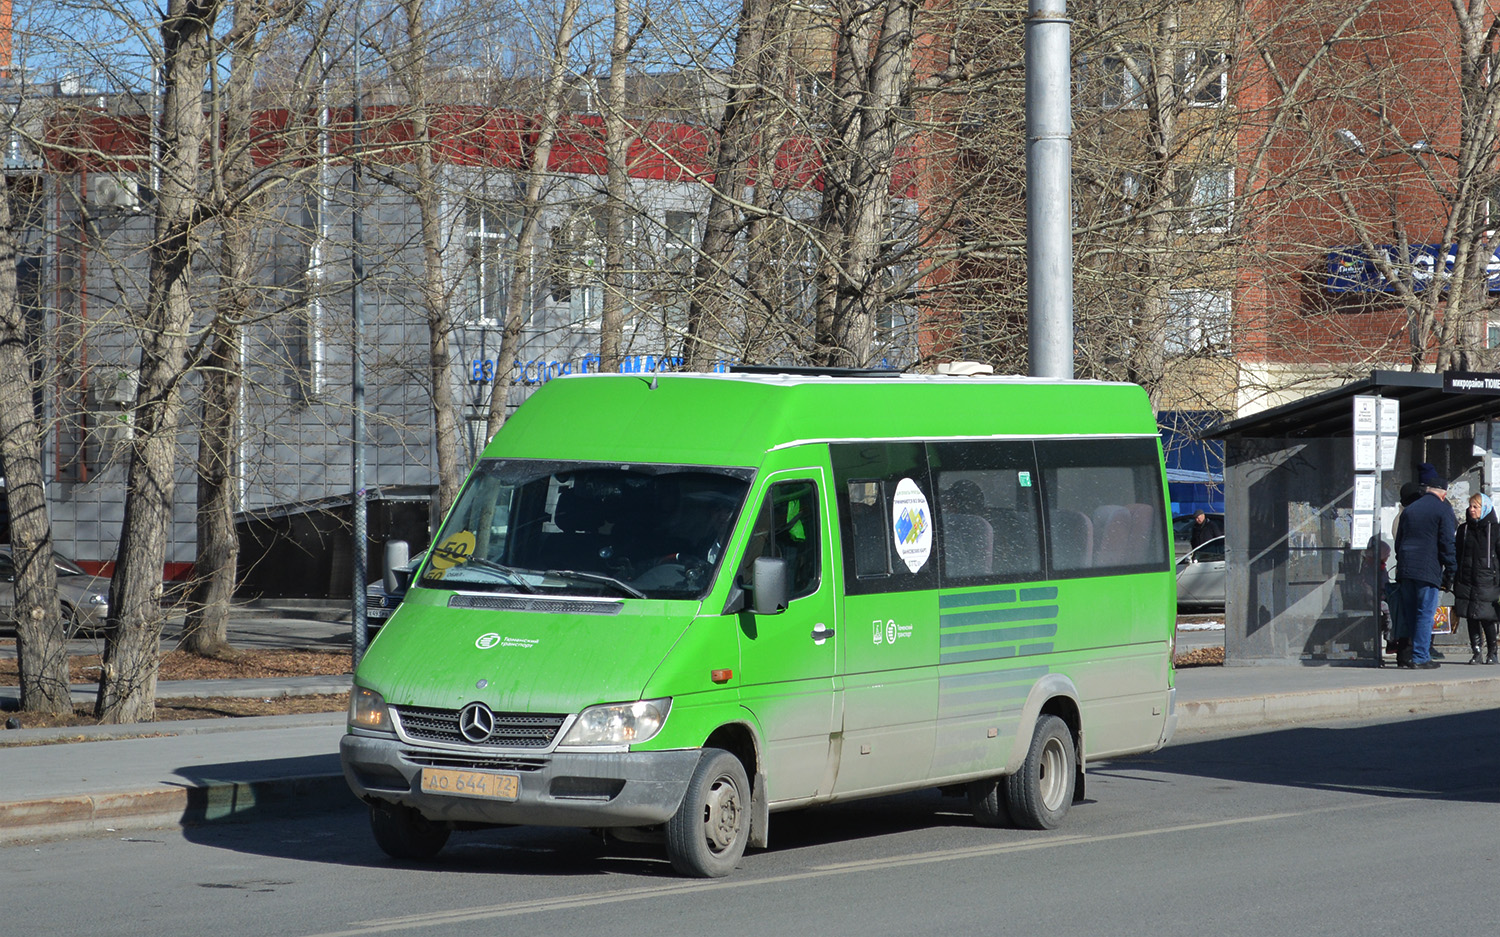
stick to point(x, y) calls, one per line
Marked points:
point(1361, 187)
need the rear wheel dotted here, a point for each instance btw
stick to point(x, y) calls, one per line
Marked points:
point(707, 835)
point(987, 802)
point(403, 833)
point(1038, 795)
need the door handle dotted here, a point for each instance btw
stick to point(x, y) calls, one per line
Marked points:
point(821, 634)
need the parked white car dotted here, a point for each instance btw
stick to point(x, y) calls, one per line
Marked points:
point(85, 598)
point(1201, 576)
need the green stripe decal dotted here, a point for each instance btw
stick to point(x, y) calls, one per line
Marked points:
point(1027, 620)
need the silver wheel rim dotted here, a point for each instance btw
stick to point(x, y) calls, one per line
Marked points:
point(722, 814)
point(1053, 768)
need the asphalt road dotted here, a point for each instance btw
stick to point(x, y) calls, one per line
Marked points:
point(1364, 828)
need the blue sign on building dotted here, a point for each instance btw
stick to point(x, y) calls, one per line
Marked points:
point(539, 371)
point(1351, 270)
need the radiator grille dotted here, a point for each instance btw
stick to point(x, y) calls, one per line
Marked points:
point(512, 730)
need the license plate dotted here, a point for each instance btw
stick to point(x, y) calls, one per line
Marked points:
point(471, 784)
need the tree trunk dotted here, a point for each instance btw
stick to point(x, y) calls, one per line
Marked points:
point(713, 296)
point(519, 293)
point(446, 436)
point(855, 215)
point(216, 566)
point(617, 137)
point(127, 684)
point(41, 651)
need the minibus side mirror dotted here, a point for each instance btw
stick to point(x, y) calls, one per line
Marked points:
point(769, 588)
point(397, 576)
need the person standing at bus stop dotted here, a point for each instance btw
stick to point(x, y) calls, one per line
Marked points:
point(1425, 563)
point(1476, 584)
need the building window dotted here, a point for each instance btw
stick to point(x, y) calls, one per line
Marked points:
point(682, 242)
point(1197, 323)
point(1204, 197)
point(1116, 79)
point(1202, 76)
point(490, 228)
point(576, 268)
point(1119, 80)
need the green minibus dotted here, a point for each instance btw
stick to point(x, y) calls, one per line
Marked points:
point(668, 606)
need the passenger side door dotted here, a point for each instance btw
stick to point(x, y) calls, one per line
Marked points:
point(788, 661)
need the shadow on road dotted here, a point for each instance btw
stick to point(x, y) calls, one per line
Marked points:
point(1453, 756)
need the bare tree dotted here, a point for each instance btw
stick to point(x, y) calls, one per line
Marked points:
point(872, 73)
point(40, 645)
point(410, 70)
point(215, 568)
point(535, 174)
point(127, 684)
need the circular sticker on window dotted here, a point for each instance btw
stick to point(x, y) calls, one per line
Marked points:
point(455, 550)
point(911, 521)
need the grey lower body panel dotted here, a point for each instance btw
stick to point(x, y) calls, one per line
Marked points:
point(1170, 728)
point(584, 789)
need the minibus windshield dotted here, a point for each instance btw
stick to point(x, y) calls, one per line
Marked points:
point(588, 529)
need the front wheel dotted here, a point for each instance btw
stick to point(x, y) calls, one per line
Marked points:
point(403, 833)
point(1038, 795)
point(708, 833)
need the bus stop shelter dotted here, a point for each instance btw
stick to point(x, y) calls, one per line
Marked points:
point(1299, 588)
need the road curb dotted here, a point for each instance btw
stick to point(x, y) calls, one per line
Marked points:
point(1344, 703)
point(186, 806)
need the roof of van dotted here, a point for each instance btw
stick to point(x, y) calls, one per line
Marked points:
point(730, 419)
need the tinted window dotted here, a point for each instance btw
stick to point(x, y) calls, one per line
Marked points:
point(787, 527)
point(988, 510)
point(1103, 506)
point(885, 517)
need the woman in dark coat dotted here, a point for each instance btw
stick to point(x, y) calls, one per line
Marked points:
point(1476, 585)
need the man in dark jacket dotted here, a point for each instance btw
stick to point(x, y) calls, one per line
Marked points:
point(1204, 530)
point(1425, 563)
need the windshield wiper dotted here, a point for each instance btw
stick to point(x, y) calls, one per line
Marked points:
point(513, 574)
point(623, 586)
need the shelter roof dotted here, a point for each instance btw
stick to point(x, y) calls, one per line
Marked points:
point(1430, 404)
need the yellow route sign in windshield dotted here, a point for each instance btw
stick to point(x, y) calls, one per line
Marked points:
point(455, 550)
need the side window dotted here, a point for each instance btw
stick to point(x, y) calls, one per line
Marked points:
point(787, 527)
point(885, 517)
point(1103, 506)
point(989, 527)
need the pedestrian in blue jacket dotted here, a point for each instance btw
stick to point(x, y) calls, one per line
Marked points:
point(1425, 562)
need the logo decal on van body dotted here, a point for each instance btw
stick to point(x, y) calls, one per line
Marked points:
point(911, 522)
point(888, 632)
point(487, 641)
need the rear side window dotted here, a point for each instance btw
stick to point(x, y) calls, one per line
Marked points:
point(787, 527)
point(1102, 501)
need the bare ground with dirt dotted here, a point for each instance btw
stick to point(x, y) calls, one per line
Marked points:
point(180, 665)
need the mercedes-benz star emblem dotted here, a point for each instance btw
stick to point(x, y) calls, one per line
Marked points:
point(476, 723)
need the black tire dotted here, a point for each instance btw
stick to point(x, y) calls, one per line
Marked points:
point(403, 833)
point(1038, 796)
point(707, 835)
point(987, 802)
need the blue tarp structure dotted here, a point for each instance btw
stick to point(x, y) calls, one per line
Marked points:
point(1195, 467)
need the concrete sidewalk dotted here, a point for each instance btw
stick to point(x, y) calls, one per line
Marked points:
point(206, 771)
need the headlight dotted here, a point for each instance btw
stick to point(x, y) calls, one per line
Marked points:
point(618, 723)
point(367, 710)
point(98, 600)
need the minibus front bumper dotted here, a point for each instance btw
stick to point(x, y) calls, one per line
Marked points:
point(589, 789)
